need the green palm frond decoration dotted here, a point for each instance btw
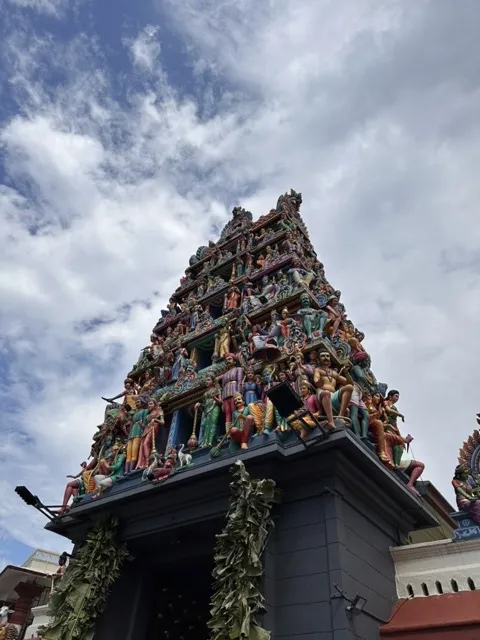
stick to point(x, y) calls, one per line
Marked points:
point(80, 597)
point(237, 600)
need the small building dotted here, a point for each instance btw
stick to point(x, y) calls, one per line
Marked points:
point(438, 586)
point(26, 589)
point(438, 582)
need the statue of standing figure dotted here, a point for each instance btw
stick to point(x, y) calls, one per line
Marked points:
point(210, 405)
point(155, 420)
point(139, 422)
point(232, 383)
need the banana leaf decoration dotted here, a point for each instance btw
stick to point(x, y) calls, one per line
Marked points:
point(237, 600)
point(79, 598)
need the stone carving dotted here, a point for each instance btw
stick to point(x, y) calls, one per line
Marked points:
point(252, 310)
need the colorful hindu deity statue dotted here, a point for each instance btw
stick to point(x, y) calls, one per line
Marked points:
point(252, 391)
point(222, 347)
point(148, 382)
point(310, 317)
point(280, 422)
point(129, 395)
point(80, 483)
point(243, 423)
point(358, 413)
point(111, 472)
point(232, 383)
point(232, 299)
point(361, 374)
point(307, 423)
point(155, 420)
point(376, 424)
point(299, 371)
point(331, 398)
point(139, 422)
point(468, 496)
point(210, 406)
point(392, 415)
point(388, 437)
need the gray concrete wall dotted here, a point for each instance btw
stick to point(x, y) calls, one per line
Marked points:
point(322, 540)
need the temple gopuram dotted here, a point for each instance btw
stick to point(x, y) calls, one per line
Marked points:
point(250, 479)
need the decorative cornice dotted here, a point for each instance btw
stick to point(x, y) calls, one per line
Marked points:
point(432, 549)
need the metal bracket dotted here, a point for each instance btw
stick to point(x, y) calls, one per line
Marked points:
point(354, 606)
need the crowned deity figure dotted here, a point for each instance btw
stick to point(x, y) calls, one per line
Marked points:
point(129, 395)
point(468, 498)
point(80, 483)
point(232, 299)
point(307, 423)
point(310, 317)
point(331, 398)
point(139, 422)
point(109, 474)
point(252, 391)
point(155, 420)
point(232, 383)
point(299, 371)
point(222, 341)
point(210, 406)
point(358, 413)
point(242, 424)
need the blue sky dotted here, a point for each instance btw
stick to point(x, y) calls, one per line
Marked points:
point(128, 131)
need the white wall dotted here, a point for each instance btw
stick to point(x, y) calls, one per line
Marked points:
point(430, 568)
point(39, 618)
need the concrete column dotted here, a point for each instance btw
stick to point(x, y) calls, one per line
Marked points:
point(27, 592)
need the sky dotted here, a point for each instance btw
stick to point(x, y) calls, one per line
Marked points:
point(128, 131)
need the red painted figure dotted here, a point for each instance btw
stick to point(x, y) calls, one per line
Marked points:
point(232, 383)
point(242, 423)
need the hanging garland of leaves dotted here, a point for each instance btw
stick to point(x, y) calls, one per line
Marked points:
point(79, 599)
point(237, 599)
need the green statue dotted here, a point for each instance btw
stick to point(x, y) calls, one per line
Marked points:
point(210, 405)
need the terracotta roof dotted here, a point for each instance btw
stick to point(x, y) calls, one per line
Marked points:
point(451, 616)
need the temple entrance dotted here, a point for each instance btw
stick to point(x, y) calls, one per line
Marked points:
point(181, 601)
point(179, 566)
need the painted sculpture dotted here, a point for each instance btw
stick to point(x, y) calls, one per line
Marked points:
point(210, 406)
point(466, 479)
point(467, 492)
point(252, 310)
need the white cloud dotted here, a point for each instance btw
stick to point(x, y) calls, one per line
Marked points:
point(55, 8)
point(145, 48)
point(368, 109)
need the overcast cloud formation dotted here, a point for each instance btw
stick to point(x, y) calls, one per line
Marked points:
point(127, 136)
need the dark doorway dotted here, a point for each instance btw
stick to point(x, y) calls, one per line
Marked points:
point(181, 600)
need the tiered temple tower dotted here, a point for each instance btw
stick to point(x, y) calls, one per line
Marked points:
point(253, 311)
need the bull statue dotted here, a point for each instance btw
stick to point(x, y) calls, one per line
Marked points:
point(7, 631)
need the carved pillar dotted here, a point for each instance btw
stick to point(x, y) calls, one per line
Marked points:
point(27, 592)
